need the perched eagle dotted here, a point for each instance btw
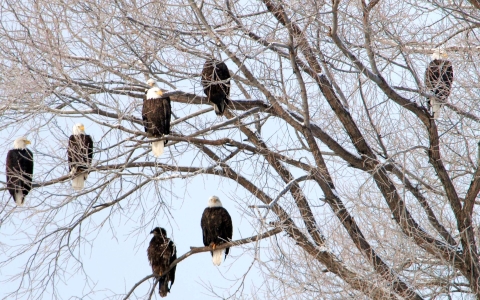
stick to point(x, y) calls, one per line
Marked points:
point(161, 253)
point(216, 84)
point(19, 169)
point(80, 153)
point(217, 228)
point(438, 80)
point(156, 115)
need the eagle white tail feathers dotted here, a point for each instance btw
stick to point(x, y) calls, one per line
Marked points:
point(19, 198)
point(436, 110)
point(217, 256)
point(157, 148)
point(436, 106)
point(78, 182)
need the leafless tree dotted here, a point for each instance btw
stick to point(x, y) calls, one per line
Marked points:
point(328, 131)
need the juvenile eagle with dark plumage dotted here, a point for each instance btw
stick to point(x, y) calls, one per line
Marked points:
point(161, 253)
point(156, 115)
point(216, 84)
point(19, 170)
point(217, 228)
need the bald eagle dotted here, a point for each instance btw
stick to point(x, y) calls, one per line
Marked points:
point(216, 84)
point(161, 253)
point(438, 80)
point(80, 153)
point(19, 170)
point(217, 228)
point(156, 115)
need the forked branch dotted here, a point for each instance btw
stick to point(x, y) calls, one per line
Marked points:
point(194, 250)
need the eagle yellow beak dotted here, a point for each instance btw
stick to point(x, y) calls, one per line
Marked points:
point(82, 128)
point(27, 142)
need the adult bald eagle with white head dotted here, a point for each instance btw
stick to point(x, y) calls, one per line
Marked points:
point(216, 84)
point(80, 154)
point(217, 228)
point(439, 80)
point(156, 116)
point(19, 170)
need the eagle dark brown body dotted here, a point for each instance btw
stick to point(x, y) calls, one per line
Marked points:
point(217, 228)
point(156, 115)
point(161, 253)
point(439, 78)
point(216, 84)
point(19, 170)
point(80, 152)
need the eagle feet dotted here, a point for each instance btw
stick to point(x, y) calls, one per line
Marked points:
point(73, 171)
point(213, 245)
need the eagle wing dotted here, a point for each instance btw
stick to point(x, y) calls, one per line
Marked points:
point(213, 72)
point(205, 224)
point(207, 76)
point(439, 78)
point(89, 144)
point(167, 115)
point(80, 151)
point(160, 252)
point(28, 171)
point(222, 74)
point(216, 226)
point(71, 152)
point(144, 115)
point(19, 170)
point(227, 232)
point(173, 257)
point(156, 115)
point(146, 110)
point(216, 84)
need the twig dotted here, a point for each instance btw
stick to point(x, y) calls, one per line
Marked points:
point(194, 250)
point(285, 189)
point(254, 238)
point(137, 284)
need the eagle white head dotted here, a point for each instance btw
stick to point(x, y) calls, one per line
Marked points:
point(154, 93)
point(151, 82)
point(214, 201)
point(78, 128)
point(439, 54)
point(21, 143)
